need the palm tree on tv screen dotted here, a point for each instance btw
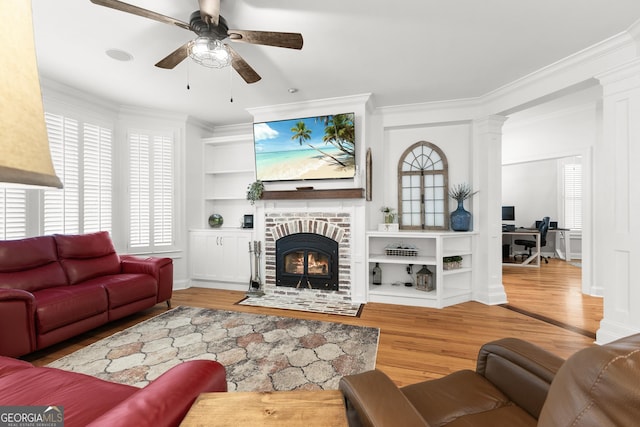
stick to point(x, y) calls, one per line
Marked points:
point(302, 133)
point(340, 132)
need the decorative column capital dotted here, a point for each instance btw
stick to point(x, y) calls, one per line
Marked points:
point(621, 78)
point(489, 124)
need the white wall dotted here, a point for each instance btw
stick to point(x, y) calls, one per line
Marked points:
point(532, 188)
point(453, 139)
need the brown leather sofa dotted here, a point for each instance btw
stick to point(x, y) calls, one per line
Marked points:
point(515, 384)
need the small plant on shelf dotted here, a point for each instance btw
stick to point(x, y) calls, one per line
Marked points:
point(451, 262)
point(389, 214)
point(254, 191)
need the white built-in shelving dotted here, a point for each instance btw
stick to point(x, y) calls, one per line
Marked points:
point(228, 170)
point(451, 286)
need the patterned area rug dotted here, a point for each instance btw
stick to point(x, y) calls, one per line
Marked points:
point(302, 304)
point(259, 352)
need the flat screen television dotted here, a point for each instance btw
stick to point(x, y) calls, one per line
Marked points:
point(508, 213)
point(307, 148)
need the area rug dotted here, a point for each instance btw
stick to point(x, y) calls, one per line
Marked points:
point(299, 303)
point(259, 352)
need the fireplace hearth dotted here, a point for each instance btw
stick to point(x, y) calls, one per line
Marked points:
point(307, 261)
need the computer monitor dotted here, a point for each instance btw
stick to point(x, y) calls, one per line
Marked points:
point(508, 213)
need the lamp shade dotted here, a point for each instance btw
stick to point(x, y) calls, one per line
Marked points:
point(24, 145)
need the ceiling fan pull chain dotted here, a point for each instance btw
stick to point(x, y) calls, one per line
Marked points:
point(230, 85)
point(188, 67)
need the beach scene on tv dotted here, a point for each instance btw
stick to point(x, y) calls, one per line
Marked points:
point(320, 147)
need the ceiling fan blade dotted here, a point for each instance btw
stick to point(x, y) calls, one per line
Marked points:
point(268, 38)
point(175, 57)
point(135, 10)
point(210, 11)
point(240, 65)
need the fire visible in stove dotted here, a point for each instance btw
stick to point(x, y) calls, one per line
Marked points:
point(307, 260)
point(317, 263)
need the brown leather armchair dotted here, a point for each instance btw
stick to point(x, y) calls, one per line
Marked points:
point(515, 384)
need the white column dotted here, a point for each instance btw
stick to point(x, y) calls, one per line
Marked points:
point(487, 179)
point(617, 203)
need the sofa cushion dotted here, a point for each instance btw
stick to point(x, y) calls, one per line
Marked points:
point(85, 256)
point(83, 398)
point(57, 307)
point(30, 264)
point(124, 289)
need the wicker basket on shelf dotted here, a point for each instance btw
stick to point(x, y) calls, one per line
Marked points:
point(399, 249)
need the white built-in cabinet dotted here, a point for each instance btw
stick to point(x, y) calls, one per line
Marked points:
point(452, 286)
point(220, 255)
point(228, 170)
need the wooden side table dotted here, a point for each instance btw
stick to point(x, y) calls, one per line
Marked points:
point(324, 408)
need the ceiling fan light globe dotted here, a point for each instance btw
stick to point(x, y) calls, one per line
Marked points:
point(210, 53)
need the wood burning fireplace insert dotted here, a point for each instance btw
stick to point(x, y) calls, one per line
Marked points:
point(307, 261)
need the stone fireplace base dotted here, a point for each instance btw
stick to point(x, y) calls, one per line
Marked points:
point(302, 303)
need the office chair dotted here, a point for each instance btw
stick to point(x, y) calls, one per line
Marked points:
point(529, 244)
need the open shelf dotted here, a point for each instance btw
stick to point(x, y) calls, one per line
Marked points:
point(451, 286)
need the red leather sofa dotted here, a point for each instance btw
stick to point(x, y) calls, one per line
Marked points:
point(89, 401)
point(55, 287)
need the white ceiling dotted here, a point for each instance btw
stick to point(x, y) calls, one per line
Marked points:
point(403, 52)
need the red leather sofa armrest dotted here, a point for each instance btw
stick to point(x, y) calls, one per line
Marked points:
point(17, 315)
point(166, 401)
point(160, 268)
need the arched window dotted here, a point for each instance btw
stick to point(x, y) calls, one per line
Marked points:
point(423, 202)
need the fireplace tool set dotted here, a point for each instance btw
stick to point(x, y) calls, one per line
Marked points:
point(255, 249)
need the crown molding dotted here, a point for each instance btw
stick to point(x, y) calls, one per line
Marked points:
point(575, 70)
point(312, 107)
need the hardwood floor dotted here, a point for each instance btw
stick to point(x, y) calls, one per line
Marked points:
point(415, 343)
point(553, 291)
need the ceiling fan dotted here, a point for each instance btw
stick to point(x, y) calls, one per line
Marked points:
point(211, 29)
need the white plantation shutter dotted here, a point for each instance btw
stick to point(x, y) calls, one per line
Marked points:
point(139, 200)
point(151, 190)
point(573, 196)
point(97, 178)
point(81, 154)
point(13, 220)
point(162, 191)
point(62, 206)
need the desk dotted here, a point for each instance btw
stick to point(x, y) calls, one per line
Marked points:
point(562, 250)
point(534, 259)
point(323, 408)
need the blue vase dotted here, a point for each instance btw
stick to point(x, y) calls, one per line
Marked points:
point(460, 218)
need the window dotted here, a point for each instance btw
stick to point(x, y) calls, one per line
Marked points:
point(97, 178)
point(81, 154)
point(572, 183)
point(13, 220)
point(62, 206)
point(151, 211)
point(422, 188)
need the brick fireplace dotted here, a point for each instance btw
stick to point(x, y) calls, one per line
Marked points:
point(297, 227)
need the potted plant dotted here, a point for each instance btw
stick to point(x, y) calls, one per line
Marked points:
point(389, 214)
point(254, 191)
point(460, 218)
point(451, 262)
